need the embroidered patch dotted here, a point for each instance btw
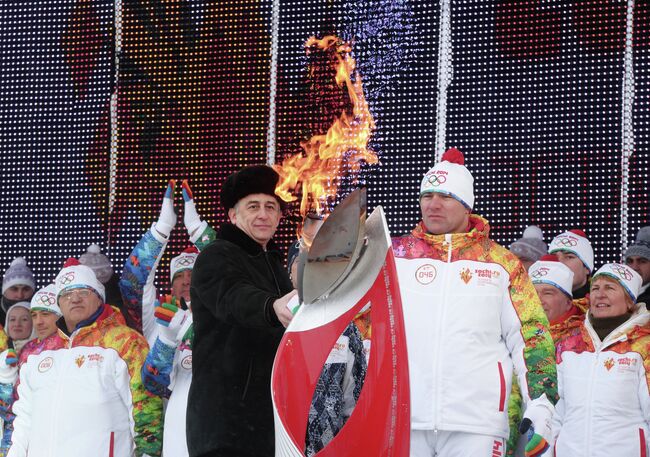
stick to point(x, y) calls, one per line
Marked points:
point(187, 362)
point(609, 363)
point(45, 364)
point(425, 274)
point(466, 275)
point(80, 360)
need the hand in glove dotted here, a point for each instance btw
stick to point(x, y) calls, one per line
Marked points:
point(12, 357)
point(537, 425)
point(167, 219)
point(170, 318)
point(191, 218)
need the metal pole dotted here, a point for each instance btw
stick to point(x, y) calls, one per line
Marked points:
point(271, 134)
point(112, 163)
point(445, 75)
point(627, 120)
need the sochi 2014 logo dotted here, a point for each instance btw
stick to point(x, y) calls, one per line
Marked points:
point(67, 278)
point(466, 275)
point(622, 272)
point(566, 242)
point(539, 273)
point(45, 299)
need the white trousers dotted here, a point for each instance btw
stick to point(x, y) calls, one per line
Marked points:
point(438, 443)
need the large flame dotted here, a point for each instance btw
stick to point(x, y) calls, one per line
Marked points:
point(341, 151)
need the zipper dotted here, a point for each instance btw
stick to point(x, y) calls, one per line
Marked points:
point(441, 316)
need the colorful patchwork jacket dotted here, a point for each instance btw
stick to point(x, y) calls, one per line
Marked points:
point(137, 281)
point(95, 380)
point(604, 407)
point(471, 316)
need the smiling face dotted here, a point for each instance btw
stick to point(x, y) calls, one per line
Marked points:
point(608, 298)
point(19, 323)
point(257, 215)
point(44, 323)
point(580, 272)
point(442, 214)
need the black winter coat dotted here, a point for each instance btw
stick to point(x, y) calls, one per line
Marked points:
point(234, 285)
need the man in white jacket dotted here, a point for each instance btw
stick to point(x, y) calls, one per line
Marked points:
point(471, 316)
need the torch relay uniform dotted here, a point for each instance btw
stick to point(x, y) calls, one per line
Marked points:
point(87, 399)
point(471, 316)
point(604, 386)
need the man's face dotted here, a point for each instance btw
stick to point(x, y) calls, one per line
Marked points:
point(257, 215)
point(641, 265)
point(580, 272)
point(78, 305)
point(44, 323)
point(19, 323)
point(554, 301)
point(443, 214)
point(181, 284)
point(19, 292)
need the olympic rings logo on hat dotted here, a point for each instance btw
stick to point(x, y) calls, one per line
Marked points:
point(436, 180)
point(622, 272)
point(67, 279)
point(543, 271)
point(566, 242)
point(185, 262)
point(46, 300)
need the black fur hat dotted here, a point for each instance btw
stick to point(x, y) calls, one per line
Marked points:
point(254, 179)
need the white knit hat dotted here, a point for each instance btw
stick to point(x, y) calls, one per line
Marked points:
point(77, 276)
point(450, 177)
point(627, 277)
point(182, 262)
point(549, 270)
point(45, 300)
point(99, 263)
point(574, 241)
point(18, 273)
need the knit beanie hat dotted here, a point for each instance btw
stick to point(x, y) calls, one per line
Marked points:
point(549, 270)
point(77, 276)
point(627, 277)
point(99, 263)
point(531, 246)
point(18, 273)
point(641, 246)
point(292, 254)
point(182, 262)
point(450, 177)
point(45, 300)
point(254, 179)
point(574, 241)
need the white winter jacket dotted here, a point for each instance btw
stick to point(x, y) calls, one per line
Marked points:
point(604, 407)
point(471, 315)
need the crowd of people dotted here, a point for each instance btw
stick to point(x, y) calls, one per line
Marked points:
point(528, 351)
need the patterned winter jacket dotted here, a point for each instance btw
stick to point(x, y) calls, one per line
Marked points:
point(96, 380)
point(471, 315)
point(137, 281)
point(604, 407)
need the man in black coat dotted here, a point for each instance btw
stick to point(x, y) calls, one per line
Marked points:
point(239, 293)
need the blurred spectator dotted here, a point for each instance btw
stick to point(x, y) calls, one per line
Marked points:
point(530, 247)
point(17, 285)
point(575, 251)
point(637, 257)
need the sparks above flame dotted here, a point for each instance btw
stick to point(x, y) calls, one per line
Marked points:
point(340, 151)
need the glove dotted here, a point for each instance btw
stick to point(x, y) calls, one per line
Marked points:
point(537, 425)
point(167, 219)
point(12, 357)
point(191, 218)
point(170, 318)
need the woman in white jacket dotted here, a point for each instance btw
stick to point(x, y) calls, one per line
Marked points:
point(604, 373)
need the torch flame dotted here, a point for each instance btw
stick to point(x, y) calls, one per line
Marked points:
point(340, 151)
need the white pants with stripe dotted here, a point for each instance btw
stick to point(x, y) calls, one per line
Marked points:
point(438, 443)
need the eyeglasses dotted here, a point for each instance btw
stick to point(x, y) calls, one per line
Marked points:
point(69, 296)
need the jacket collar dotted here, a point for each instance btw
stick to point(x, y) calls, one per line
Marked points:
point(478, 230)
point(102, 313)
point(235, 235)
point(640, 318)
